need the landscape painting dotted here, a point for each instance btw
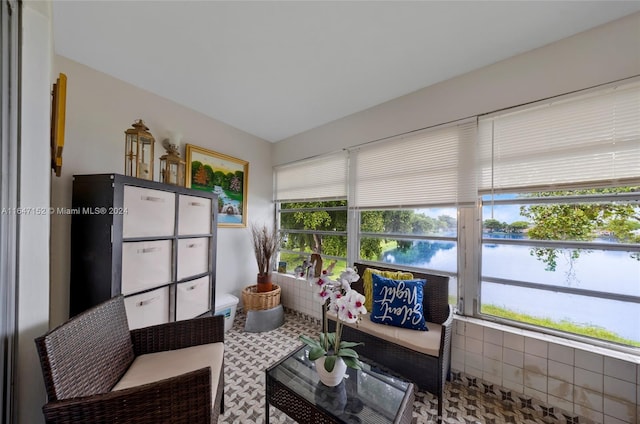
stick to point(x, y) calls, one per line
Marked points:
point(223, 175)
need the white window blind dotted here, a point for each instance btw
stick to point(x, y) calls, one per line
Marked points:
point(429, 167)
point(589, 139)
point(323, 177)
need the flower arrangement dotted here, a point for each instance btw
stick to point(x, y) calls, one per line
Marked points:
point(348, 305)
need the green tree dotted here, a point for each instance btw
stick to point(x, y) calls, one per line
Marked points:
point(493, 225)
point(305, 218)
point(517, 226)
point(580, 222)
point(371, 221)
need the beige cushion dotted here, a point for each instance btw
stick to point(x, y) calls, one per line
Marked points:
point(172, 363)
point(421, 341)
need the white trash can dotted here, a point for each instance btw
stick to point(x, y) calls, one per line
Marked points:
point(226, 305)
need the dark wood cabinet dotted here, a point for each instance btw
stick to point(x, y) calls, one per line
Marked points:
point(152, 242)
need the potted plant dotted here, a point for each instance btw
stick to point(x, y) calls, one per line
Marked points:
point(331, 354)
point(265, 243)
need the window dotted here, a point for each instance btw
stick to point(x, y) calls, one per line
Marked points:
point(314, 227)
point(559, 186)
point(425, 238)
point(567, 261)
point(533, 212)
point(312, 211)
point(405, 192)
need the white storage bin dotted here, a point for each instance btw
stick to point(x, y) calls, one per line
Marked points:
point(226, 305)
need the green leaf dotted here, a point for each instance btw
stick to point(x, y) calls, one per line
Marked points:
point(347, 353)
point(316, 352)
point(310, 342)
point(330, 362)
point(353, 363)
point(349, 344)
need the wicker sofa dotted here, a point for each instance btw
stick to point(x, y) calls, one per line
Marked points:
point(422, 357)
point(97, 371)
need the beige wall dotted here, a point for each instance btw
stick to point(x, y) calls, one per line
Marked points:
point(597, 56)
point(99, 109)
point(34, 175)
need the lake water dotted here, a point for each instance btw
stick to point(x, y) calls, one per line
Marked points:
point(595, 270)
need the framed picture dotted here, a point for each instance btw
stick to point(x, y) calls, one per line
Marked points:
point(224, 175)
point(58, 112)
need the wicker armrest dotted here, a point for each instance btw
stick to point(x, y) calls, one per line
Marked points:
point(178, 335)
point(185, 399)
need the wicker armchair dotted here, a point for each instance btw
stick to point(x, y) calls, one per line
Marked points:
point(86, 357)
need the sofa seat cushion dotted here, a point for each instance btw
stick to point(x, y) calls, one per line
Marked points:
point(172, 363)
point(427, 342)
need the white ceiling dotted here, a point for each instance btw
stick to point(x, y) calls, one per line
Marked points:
point(278, 68)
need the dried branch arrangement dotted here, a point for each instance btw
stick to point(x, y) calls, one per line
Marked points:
point(265, 243)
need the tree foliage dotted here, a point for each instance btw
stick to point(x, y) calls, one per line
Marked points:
point(580, 222)
point(304, 217)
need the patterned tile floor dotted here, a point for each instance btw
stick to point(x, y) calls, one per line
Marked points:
point(467, 401)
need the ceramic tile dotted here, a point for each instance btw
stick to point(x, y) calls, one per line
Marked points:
point(457, 341)
point(535, 347)
point(622, 370)
point(535, 381)
point(562, 354)
point(492, 366)
point(493, 336)
point(560, 403)
point(560, 389)
point(588, 379)
point(535, 364)
point(597, 417)
point(474, 331)
point(588, 398)
point(513, 357)
point(625, 411)
point(536, 394)
point(473, 345)
point(589, 361)
point(513, 386)
point(492, 351)
point(560, 371)
point(612, 420)
point(620, 389)
point(513, 341)
point(513, 374)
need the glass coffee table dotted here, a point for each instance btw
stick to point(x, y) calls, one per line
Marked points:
point(364, 396)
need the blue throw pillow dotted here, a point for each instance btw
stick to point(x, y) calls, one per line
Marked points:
point(398, 303)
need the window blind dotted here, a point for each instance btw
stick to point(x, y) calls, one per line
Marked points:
point(429, 167)
point(585, 140)
point(323, 177)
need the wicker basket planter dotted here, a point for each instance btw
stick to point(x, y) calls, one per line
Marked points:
point(254, 301)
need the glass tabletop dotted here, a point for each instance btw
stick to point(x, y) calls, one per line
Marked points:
point(364, 396)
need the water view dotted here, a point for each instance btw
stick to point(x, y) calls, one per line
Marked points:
point(596, 270)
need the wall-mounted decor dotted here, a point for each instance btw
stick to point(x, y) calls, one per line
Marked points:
point(58, 114)
point(138, 151)
point(224, 175)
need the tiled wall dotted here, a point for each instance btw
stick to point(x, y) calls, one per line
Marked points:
point(578, 381)
point(298, 295)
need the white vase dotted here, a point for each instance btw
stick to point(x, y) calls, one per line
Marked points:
point(334, 377)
